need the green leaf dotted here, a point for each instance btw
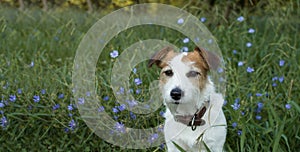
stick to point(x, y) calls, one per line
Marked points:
point(178, 147)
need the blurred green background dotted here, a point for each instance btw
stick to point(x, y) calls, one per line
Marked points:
point(38, 41)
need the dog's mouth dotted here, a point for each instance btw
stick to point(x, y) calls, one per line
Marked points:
point(176, 102)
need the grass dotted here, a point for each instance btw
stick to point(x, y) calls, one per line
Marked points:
point(261, 121)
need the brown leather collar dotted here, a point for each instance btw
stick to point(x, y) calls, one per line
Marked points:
point(193, 120)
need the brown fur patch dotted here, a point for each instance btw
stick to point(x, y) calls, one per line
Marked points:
point(200, 63)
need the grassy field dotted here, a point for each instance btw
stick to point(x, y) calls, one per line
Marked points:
point(38, 112)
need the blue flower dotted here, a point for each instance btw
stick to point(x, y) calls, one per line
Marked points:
point(70, 107)
point(180, 21)
point(240, 19)
point(114, 54)
point(72, 124)
point(101, 109)
point(281, 63)
point(115, 110)
point(234, 124)
point(288, 106)
point(234, 51)
point(248, 44)
point(186, 40)
point(19, 91)
point(3, 122)
point(251, 30)
point(119, 127)
point(131, 103)
point(235, 106)
point(260, 105)
point(121, 90)
point(274, 84)
point(209, 41)
point(258, 94)
point(152, 138)
point(81, 101)
point(250, 70)
point(36, 98)
point(280, 79)
point(32, 64)
point(138, 91)
point(240, 63)
point(137, 81)
point(274, 78)
point(258, 117)
point(184, 49)
point(60, 96)
point(132, 115)
point(122, 107)
point(220, 70)
point(43, 91)
point(239, 132)
point(106, 98)
point(56, 106)
point(134, 70)
point(203, 19)
point(88, 94)
point(2, 105)
point(162, 113)
point(12, 98)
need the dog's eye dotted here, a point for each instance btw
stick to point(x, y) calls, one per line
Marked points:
point(192, 74)
point(168, 73)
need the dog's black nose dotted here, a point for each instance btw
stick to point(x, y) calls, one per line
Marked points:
point(176, 94)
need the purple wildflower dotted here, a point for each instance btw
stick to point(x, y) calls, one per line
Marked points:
point(239, 132)
point(184, 49)
point(106, 98)
point(137, 81)
point(280, 79)
point(132, 115)
point(180, 21)
point(119, 127)
point(101, 109)
point(250, 70)
point(72, 124)
point(248, 44)
point(152, 138)
point(240, 63)
point(234, 124)
point(19, 91)
point(12, 98)
point(122, 107)
point(186, 40)
point(281, 63)
point(36, 98)
point(240, 19)
point(56, 106)
point(251, 30)
point(81, 101)
point(3, 122)
point(114, 54)
point(288, 106)
point(61, 96)
point(70, 107)
point(115, 110)
point(258, 117)
point(203, 19)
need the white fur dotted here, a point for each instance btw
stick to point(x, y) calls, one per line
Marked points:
point(214, 130)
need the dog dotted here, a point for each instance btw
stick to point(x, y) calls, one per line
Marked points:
point(194, 120)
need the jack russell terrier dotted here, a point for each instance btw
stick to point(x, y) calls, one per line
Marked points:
point(194, 117)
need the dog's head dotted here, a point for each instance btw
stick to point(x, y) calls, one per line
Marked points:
point(184, 76)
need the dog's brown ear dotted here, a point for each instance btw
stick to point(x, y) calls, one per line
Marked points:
point(212, 60)
point(159, 57)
